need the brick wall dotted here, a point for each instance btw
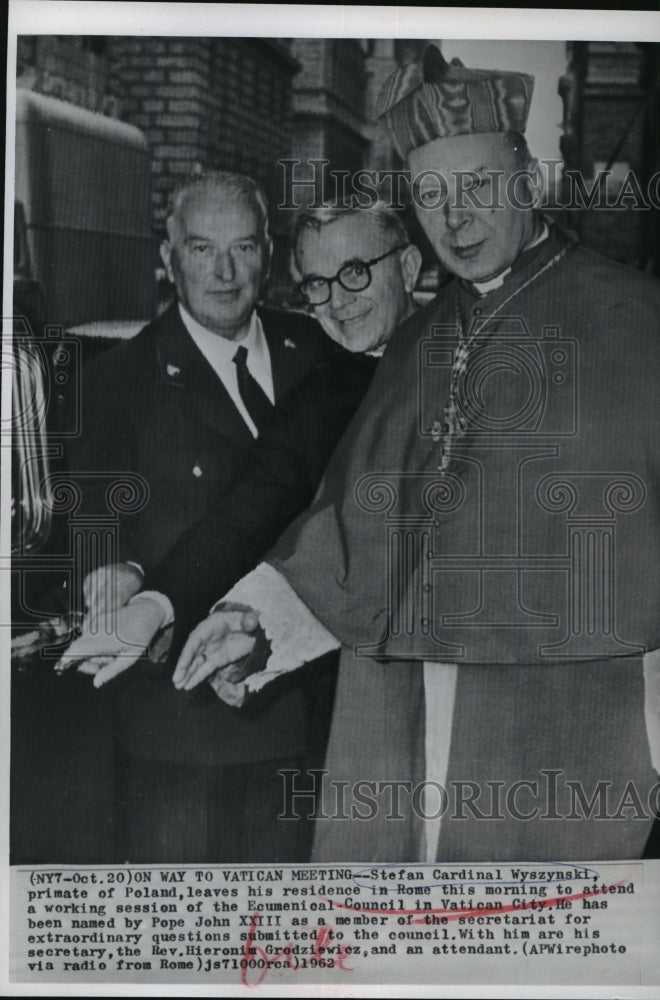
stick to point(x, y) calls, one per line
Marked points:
point(164, 85)
point(249, 122)
point(211, 103)
point(220, 103)
point(223, 103)
point(329, 100)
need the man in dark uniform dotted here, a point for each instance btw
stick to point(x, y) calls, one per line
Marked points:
point(486, 540)
point(193, 760)
point(178, 409)
point(182, 403)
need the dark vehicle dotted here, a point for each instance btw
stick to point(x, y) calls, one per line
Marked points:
point(84, 278)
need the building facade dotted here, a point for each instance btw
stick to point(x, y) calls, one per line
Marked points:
point(246, 104)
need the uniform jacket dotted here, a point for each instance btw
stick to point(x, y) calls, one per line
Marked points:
point(284, 470)
point(154, 407)
point(284, 466)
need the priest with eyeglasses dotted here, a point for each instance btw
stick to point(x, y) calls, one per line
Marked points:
point(486, 540)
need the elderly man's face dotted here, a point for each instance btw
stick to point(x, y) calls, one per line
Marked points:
point(216, 257)
point(359, 320)
point(471, 241)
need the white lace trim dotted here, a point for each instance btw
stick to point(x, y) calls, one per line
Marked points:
point(295, 635)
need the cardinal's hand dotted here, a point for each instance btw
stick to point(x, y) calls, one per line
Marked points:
point(221, 640)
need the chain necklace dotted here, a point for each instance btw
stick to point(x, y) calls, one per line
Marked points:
point(454, 425)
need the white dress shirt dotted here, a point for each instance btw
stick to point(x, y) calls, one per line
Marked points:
point(220, 352)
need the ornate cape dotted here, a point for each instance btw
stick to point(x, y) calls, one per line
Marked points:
point(531, 563)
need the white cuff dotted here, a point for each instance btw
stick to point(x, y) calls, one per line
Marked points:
point(295, 635)
point(160, 599)
point(137, 566)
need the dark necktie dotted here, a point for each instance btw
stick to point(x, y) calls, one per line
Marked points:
point(255, 400)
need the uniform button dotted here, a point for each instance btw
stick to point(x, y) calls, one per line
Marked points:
point(197, 472)
point(436, 522)
point(427, 587)
point(477, 311)
point(424, 623)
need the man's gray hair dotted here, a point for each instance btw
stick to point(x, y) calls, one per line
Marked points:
point(385, 219)
point(232, 185)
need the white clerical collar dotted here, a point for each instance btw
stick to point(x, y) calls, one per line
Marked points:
point(483, 287)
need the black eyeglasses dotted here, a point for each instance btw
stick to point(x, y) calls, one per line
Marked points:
point(353, 276)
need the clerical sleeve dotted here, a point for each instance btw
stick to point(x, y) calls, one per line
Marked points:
point(295, 635)
point(336, 556)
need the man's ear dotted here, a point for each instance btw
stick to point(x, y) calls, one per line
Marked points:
point(411, 262)
point(166, 252)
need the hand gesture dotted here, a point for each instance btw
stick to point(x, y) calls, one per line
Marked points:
point(220, 640)
point(228, 684)
point(115, 647)
point(106, 589)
